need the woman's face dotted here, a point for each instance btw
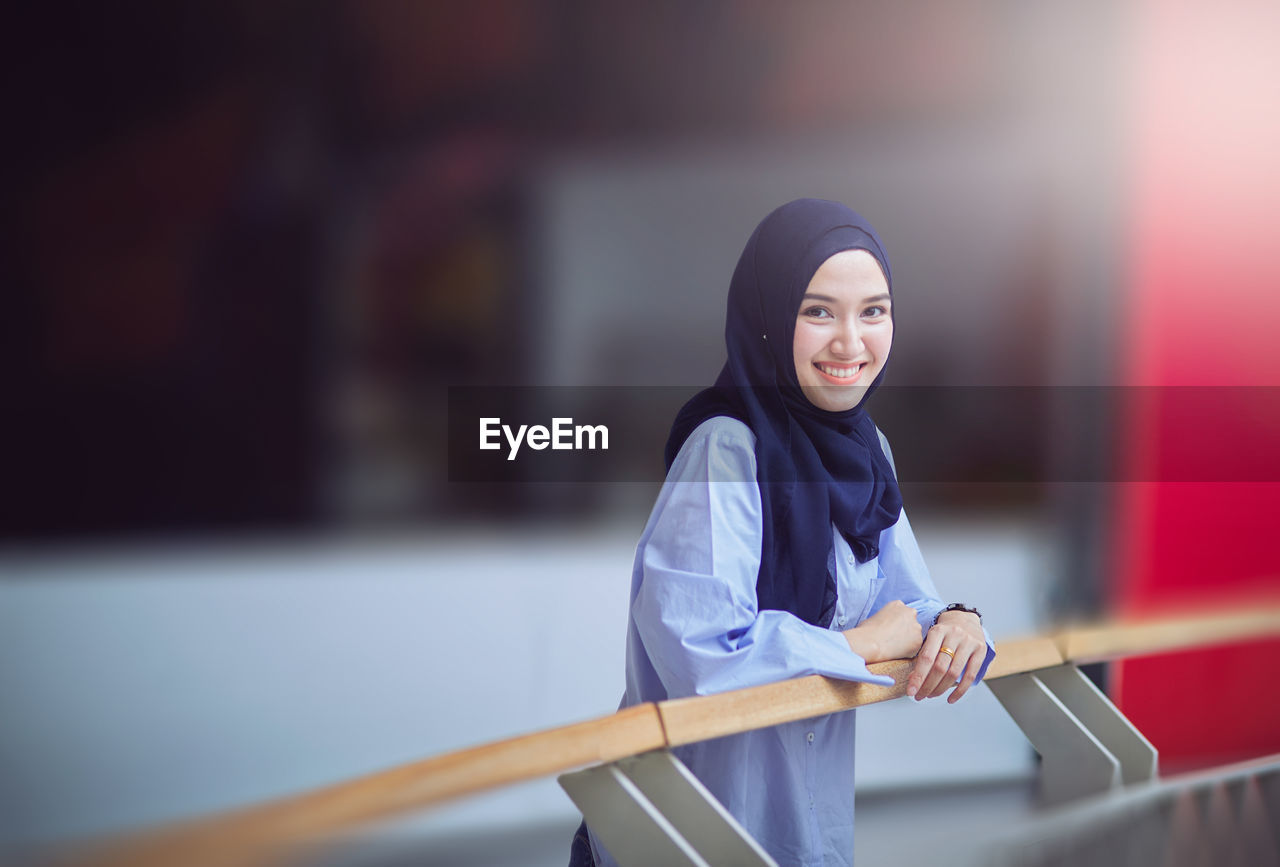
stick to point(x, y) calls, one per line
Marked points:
point(843, 331)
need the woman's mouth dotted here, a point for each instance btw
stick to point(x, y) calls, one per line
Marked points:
point(840, 374)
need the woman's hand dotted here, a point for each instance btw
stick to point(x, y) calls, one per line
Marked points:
point(961, 633)
point(893, 632)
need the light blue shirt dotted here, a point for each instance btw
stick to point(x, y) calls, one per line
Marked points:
point(695, 629)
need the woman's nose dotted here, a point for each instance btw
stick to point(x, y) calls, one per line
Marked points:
point(848, 340)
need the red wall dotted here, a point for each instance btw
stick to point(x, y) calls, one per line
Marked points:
point(1203, 309)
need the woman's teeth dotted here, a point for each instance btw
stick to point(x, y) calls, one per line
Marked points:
point(839, 372)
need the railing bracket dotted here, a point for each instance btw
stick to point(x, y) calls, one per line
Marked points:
point(650, 809)
point(1087, 745)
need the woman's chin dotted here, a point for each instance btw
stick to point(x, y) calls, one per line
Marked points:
point(835, 398)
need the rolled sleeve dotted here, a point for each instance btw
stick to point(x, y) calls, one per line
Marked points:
point(695, 609)
point(907, 578)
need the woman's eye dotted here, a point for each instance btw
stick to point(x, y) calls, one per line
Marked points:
point(817, 312)
point(875, 311)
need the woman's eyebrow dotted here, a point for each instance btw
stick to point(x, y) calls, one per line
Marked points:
point(813, 296)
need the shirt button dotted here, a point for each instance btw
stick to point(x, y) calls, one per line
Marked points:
point(809, 737)
point(851, 559)
point(842, 620)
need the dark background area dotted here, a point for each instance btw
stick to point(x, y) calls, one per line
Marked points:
point(252, 246)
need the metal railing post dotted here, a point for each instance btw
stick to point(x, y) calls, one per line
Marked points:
point(650, 809)
point(1088, 746)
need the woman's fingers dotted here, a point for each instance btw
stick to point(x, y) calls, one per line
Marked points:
point(923, 668)
point(937, 679)
point(935, 671)
point(961, 661)
point(970, 675)
point(944, 670)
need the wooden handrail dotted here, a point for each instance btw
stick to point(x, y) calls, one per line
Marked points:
point(1101, 642)
point(272, 832)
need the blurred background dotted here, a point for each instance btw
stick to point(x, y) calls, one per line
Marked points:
point(254, 246)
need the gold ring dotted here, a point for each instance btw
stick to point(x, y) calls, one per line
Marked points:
point(948, 651)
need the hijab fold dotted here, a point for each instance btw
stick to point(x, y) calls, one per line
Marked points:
point(815, 468)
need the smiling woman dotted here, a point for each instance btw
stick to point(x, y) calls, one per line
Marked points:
point(778, 546)
point(843, 331)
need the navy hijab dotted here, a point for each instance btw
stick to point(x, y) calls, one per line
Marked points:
point(814, 467)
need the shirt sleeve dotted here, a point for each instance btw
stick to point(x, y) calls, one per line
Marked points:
point(907, 578)
point(695, 608)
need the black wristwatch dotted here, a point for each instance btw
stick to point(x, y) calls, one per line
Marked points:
point(956, 606)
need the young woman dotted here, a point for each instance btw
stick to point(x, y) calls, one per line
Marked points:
point(778, 546)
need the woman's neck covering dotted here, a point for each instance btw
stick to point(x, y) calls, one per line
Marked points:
point(814, 467)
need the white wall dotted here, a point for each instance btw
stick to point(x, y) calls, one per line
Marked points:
point(143, 684)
